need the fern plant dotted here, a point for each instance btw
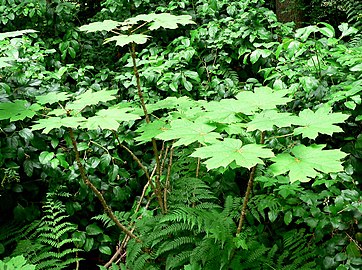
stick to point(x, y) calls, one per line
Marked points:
point(50, 245)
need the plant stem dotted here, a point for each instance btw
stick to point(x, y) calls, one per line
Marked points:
point(99, 195)
point(248, 191)
point(147, 118)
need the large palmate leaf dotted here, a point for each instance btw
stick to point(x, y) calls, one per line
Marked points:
point(122, 40)
point(109, 119)
point(188, 132)
point(320, 121)
point(263, 98)
point(51, 98)
point(106, 25)
point(151, 130)
point(57, 122)
point(224, 111)
point(222, 153)
point(266, 120)
point(18, 110)
point(15, 33)
point(91, 98)
point(164, 20)
point(304, 162)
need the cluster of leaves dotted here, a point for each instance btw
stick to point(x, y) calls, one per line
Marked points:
point(240, 96)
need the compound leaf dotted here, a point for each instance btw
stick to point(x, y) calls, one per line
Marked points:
point(222, 153)
point(188, 132)
point(321, 121)
point(306, 161)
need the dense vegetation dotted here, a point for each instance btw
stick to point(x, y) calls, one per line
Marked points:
point(180, 135)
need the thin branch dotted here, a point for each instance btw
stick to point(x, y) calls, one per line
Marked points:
point(248, 191)
point(147, 118)
point(167, 183)
point(99, 195)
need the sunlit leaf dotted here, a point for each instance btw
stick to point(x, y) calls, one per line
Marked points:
point(91, 98)
point(56, 122)
point(51, 98)
point(321, 121)
point(18, 110)
point(266, 120)
point(16, 33)
point(122, 40)
point(222, 153)
point(188, 132)
point(305, 162)
point(151, 130)
point(106, 25)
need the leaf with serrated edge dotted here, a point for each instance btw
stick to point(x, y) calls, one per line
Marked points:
point(51, 98)
point(56, 122)
point(109, 118)
point(321, 121)
point(91, 98)
point(306, 161)
point(151, 130)
point(266, 120)
point(263, 98)
point(106, 25)
point(122, 40)
point(188, 132)
point(18, 110)
point(222, 153)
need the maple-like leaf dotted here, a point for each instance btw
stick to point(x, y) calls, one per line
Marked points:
point(91, 98)
point(18, 110)
point(266, 120)
point(188, 132)
point(321, 121)
point(109, 118)
point(57, 122)
point(165, 20)
point(306, 161)
point(263, 98)
point(225, 111)
point(106, 25)
point(151, 130)
point(51, 98)
point(122, 40)
point(222, 153)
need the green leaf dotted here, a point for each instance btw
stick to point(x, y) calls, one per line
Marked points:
point(56, 122)
point(188, 132)
point(91, 98)
point(18, 110)
point(51, 98)
point(222, 153)
point(164, 20)
point(45, 157)
point(122, 40)
point(93, 229)
point(306, 161)
point(346, 30)
point(105, 250)
point(109, 119)
point(263, 98)
point(328, 30)
point(288, 216)
point(266, 120)
point(151, 130)
point(321, 121)
point(16, 33)
point(106, 25)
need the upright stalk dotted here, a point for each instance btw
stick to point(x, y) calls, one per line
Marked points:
point(99, 195)
point(248, 191)
point(158, 190)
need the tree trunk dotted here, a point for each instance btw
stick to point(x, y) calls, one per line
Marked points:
point(290, 11)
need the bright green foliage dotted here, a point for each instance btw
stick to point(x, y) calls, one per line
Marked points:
point(57, 122)
point(188, 132)
point(106, 25)
point(267, 119)
point(89, 98)
point(122, 40)
point(222, 153)
point(18, 263)
point(18, 110)
point(307, 161)
point(15, 33)
point(151, 130)
point(51, 98)
point(320, 121)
